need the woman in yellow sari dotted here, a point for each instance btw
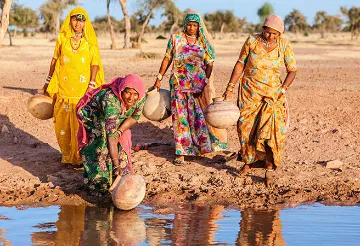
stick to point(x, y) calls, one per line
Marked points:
point(75, 69)
point(263, 108)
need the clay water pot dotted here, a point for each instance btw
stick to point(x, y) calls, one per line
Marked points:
point(128, 191)
point(157, 106)
point(221, 114)
point(41, 106)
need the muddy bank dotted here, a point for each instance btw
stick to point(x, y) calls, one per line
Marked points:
point(325, 119)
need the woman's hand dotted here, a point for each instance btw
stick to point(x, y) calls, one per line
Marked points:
point(89, 89)
point(157, 84)
point(227, 95)
point(116, 170)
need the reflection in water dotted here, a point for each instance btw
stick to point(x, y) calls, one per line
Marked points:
point(70, 225)
point(195, 225)
point(260, 228)
point(185, 225)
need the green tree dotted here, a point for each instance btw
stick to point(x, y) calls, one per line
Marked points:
point(296, 22)
point(52, 10)
point(23, 18)
point(221, 19)
point(327, 23)
point(173, 15)
point(353, 23)
point(264, 11)
point(5, 6)
point(146, 12)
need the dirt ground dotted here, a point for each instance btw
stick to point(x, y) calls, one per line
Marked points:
point(325, 122)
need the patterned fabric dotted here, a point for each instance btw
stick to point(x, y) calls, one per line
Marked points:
point(70, 82)
point(188, 72)
point(262, 109)
point(192, 136)
point(101, 117)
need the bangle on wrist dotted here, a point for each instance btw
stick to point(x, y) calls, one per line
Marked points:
point(229, 89)
point(283, 90)
point(231, 84)
point(48, 78)
point(91, 87)
point(120, 132)
point(159, 76)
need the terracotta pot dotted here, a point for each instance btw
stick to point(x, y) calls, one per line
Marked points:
point(157, 106)
point(41, 106)
point(221, 114)
point(128, 191)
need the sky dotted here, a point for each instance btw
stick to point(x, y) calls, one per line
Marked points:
point(241, 8)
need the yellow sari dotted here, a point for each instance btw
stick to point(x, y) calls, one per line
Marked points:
point(70, 81)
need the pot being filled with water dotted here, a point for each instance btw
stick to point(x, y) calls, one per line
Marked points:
point(128, 191)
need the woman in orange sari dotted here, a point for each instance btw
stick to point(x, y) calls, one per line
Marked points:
point(263, 108)
point(75, 69)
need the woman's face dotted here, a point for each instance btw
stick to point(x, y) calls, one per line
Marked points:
point(192, 28)
point(270, 34)
point(129, 96)
point(77, 24)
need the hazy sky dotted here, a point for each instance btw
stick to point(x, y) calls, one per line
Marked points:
point(241, 8)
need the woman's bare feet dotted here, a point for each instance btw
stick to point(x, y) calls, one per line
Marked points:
point(245, 169)
point(179, 160)
point(269, 177)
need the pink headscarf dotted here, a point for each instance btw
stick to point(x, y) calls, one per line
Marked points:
point(274, 22)
point(117, 85)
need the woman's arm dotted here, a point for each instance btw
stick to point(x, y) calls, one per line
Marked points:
point(127, 124)
point(50, 74)
point(208, 69)
point(235, 76)
point(113, 142)
point(93, 72)
point(289, 79)
point(113, 151)
point(165, 64)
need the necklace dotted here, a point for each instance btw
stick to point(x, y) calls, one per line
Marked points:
point(187, 39)
point(75, 45)
point(78, 34)
point(190, 36)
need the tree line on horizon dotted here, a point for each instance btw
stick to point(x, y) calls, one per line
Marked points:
point(134, 26)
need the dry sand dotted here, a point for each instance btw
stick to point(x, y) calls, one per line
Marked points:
point(325, 123)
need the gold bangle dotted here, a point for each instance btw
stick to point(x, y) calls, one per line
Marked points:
point(231, 84)
point(229, 89)
point(114, 158)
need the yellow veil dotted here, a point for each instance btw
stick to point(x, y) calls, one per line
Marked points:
point(90, 36)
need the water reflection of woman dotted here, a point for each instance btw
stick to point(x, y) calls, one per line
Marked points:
point(260, 228)
point(195, 225)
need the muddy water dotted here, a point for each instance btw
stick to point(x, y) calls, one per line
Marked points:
point(182, 225)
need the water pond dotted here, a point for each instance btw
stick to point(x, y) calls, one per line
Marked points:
point(182, 225)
